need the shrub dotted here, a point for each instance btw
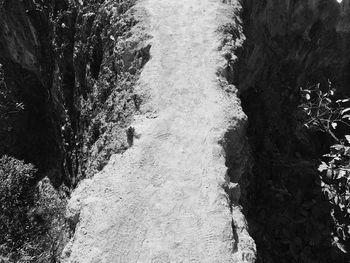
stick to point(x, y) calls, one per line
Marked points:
point(32, 223)
point(49, 232)
point(15, 179)
point(323, 112)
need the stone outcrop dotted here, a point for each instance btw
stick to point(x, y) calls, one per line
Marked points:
point(174, 195)
point(71, 67)
point(68, 63)
point(28, 59)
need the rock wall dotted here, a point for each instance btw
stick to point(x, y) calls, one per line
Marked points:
point(290, 44)
point(69, 63)
point(27, 58)
point(70, 67)
point(307, 39)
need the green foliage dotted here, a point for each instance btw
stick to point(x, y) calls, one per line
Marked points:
point(48, 221)
point(32, 223)
point(324, 113)
point(103, 42)
point(335, 174)
point(15, 178)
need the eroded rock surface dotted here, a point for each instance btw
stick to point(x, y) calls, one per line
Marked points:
point(166, 199)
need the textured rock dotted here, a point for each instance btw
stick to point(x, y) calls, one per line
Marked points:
point(70, 66)
point(289, 44)
point(310, 36)
point(166, 199)
point(25, 55)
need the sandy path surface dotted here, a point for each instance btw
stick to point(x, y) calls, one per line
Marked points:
point(163, 200)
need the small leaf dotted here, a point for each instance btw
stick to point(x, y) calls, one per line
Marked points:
point(336, 200)
point(323, 167)
point(337, 147)
point(334, 125)
point(330, 155)
point(346, 117)
point(307, 96)
point(347, 137)
point(345, 110)
point(340, 174)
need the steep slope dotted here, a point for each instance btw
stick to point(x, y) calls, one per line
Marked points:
point(68, 74)
point(166, 199)
point(290, 44)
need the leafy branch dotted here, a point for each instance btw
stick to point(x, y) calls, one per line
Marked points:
point(324, 113)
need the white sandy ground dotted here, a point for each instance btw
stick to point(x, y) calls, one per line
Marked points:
point(163, 200)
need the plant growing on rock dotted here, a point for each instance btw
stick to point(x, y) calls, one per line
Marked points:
point(15, 177)
point(325, 113)
point(32, 223)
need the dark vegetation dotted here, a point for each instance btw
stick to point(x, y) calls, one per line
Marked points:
point(323, 112)
point(66, 100)
point(290, 45)
point(31, 219)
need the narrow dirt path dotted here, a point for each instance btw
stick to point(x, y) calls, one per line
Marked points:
point(163, 200)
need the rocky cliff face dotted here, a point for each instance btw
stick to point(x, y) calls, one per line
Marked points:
point(73, 66)
point(70, 66)
point(290, 44)
point(28, 58)
point(309, 37)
